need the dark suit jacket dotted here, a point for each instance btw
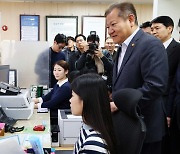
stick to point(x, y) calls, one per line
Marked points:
point(145, 67)
point(173, 109)
point(173, 51)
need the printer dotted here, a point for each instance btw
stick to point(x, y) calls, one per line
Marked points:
point(69, 127)
point(17, 106)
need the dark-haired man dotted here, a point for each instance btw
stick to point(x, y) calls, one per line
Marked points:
point(110, 46)
point(81, 45)
point(46, 60)
point(94, 59)
point(146, 27)
point(162, 28)
point(141, 63)
point(70, 48)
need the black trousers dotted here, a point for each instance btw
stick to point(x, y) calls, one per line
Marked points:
point(175, 137)
point(151, 148)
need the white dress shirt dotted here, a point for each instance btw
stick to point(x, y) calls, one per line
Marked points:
point(166, 44)
point(124, 47)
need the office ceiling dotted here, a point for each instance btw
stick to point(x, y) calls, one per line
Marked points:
point(90, 1)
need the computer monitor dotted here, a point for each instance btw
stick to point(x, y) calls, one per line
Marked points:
point(4, 73)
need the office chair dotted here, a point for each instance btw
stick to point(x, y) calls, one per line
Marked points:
point(128, 123)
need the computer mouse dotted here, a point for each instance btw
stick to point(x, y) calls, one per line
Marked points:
point(39, 128)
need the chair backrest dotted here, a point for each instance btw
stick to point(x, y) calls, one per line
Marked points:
point(128, 123)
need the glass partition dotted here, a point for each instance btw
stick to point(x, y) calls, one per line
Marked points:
point(30, 59)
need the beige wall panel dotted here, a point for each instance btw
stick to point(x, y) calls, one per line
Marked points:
point(10, 14)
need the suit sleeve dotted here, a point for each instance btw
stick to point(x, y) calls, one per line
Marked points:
point(154, 71)
point(80, 63)
point(107, 61)
point(172, 94)
point(174, 90)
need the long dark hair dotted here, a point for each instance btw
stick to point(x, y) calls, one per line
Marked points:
point(92, 89)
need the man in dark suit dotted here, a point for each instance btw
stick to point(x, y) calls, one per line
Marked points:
point(142, 64)
point(146, 27)
point(110, 46)
point(173, 113)
point(162, 28)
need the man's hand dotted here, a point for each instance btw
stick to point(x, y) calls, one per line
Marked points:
point(35, 100)
point(113, 107)
point(99, 53)
point(35, 106)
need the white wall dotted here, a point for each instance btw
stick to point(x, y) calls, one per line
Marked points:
point(169, 8)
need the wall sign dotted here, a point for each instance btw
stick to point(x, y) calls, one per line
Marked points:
point(67, 25)
point(29, 27)
point(94, 23)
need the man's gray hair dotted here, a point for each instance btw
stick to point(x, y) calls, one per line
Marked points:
point(125, 9)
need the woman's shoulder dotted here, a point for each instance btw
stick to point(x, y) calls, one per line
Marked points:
point(95, 143)
point(65, 87)
point(94, 138)
point(90, 141)
point(67, 84)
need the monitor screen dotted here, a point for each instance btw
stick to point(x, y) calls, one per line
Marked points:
point(4, 73)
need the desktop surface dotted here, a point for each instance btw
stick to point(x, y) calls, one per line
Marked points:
point(36, 119)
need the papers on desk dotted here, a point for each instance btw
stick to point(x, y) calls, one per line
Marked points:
point(41, 110)
point(13, 145)
point(72, 116)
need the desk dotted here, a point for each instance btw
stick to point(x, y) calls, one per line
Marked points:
point(36, 119)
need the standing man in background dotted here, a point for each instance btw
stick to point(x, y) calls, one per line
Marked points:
point(173, 112)
point(162, 28)
point(110, 46)
point(70, 48)
point(142, 64)
point(81, 45)
point(146, 27)
point(46, 60)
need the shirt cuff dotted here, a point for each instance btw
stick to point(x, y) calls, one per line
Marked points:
point(40, 100)
point(39, 106)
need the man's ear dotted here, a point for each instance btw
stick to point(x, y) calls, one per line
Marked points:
point(131, 19)
point(55, 42)
point(170, 29)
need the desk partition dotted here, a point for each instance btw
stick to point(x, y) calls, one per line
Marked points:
point(23, 56)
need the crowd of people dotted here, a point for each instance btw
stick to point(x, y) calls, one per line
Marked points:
point(147, 59)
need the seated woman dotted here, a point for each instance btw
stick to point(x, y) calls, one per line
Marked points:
point(90, 100)
point(58, 97)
